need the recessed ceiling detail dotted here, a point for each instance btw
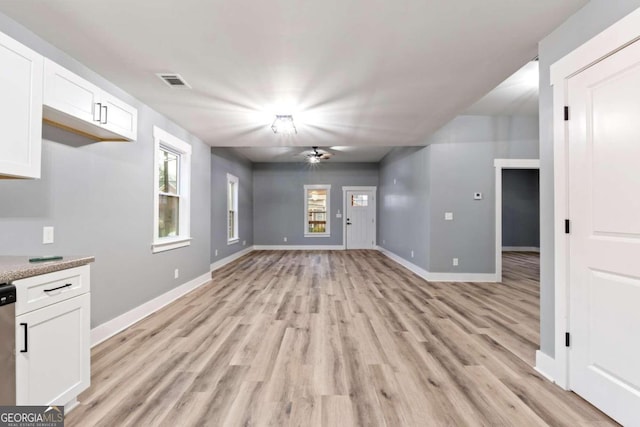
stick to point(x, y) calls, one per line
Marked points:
point(517, 95)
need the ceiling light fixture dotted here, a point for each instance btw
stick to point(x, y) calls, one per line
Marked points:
point(284, 124)
point(315, 155)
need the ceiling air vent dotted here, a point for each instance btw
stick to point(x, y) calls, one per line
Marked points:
point(173, 80)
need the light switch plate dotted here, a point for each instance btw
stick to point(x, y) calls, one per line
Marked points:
point(448, 216)
point(47, 235)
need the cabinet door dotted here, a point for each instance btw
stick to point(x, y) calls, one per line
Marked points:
point(54, 369)
point(68, 93)
point(119, 117)
point(20, 109)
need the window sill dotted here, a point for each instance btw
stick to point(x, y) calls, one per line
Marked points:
point(169, 244)
point(317, 234)
point(232, 241)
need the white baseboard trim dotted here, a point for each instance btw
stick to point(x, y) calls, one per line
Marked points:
point(226, 260)
point(463, 277)
point(439, 277)
point(110, 328)
point(520, 249)
point(298, 247)
point(406, 264)
point(546, 366)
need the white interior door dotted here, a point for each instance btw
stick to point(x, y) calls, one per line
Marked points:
point(604, 208)
point(360, 222)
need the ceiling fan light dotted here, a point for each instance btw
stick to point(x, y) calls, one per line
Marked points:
point(284, 124)
point(314, 159)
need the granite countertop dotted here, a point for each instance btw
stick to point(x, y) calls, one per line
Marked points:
point(18, 267)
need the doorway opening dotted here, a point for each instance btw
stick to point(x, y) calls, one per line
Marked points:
point(517, 211)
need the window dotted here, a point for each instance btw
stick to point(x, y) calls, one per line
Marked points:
point(232, 209)
point(360, 200)
point(317, 210)
point(171, 193)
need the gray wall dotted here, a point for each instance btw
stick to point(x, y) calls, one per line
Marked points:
point(403, 208)
point(457, 162)
point(594, 17)
point(223, 161)
point(278, 199)
point(521, 207)
point(99, 198)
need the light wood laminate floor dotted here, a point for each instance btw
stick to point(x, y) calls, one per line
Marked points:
point(333, 339)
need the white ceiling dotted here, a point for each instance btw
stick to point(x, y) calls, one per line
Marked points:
point(352, 72)
point(518, 94)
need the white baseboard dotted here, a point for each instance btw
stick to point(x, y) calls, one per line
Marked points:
point(226, 260)
point(439, 277)
point(298, 247)
point(520, 249)
point(546, 366)
point(406, 264)
point(120, 323)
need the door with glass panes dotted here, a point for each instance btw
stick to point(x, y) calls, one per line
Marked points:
point(360, 220)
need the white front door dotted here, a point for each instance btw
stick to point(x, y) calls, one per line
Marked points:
point(604, 208)
point(360, 221)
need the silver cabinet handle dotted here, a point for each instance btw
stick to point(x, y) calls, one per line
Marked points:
point(97, 107)
point(105, 115)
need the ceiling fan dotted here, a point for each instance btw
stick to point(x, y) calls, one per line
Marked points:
point(316, 154)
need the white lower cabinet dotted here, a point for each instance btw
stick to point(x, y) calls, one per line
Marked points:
point(53, 351)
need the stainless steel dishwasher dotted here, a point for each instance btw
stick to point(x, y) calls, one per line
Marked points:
point(7, 345)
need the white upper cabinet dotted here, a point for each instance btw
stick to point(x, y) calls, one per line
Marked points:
point(74, 104)
point(118, 117)
point(67, 93)
point(20, 109)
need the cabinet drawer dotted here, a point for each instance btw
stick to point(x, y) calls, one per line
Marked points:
point(40, 291)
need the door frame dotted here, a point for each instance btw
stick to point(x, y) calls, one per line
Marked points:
point(613, 39)
point(374, 189)
point(500, 165)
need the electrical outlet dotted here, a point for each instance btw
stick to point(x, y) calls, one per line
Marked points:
point(411, 254)
point(216, 252)
point(384, 242)
point(448, 216)
point(455, 261)
point(394, 181)
point(244, 243)
point(176, 273)
point(47, 235)
point(285, 239)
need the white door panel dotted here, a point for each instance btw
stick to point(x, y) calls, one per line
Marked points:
point(360, 221)
point(604, 207)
